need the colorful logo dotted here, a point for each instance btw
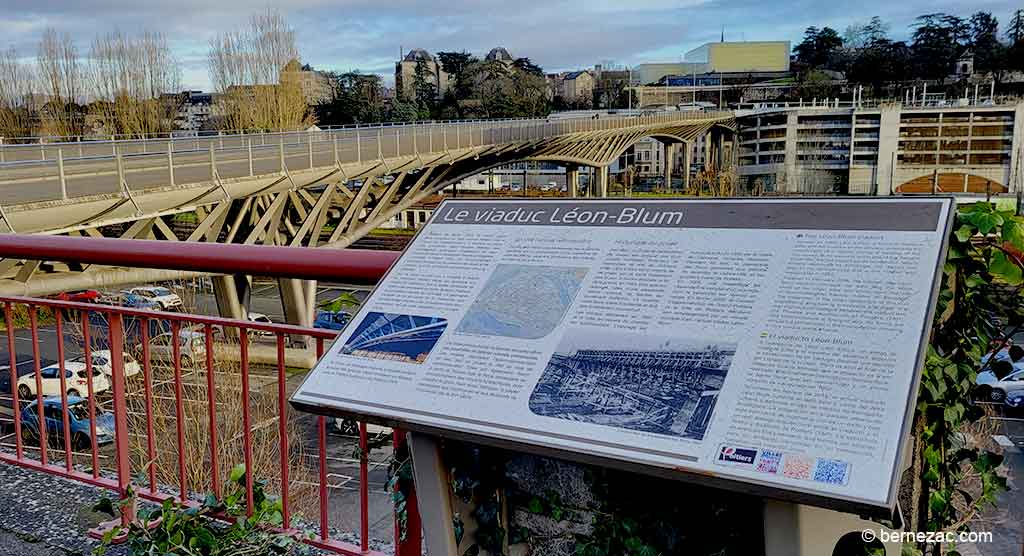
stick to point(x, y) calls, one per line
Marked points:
point(731, 454)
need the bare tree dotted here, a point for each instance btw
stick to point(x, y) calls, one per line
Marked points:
point(60, 79)
point(130, 75)
point(16, 110)
point(256, 70)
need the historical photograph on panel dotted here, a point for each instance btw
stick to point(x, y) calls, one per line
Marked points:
point(523, 301)
point(631, 381)
point(405, 338)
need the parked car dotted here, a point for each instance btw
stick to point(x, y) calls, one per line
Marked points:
point(259, 318)
point(75, 381)
point(331, 320)
point(160, 295)
point(81, 296)
point(78, 423)
point(101, 360)
point(994, 389)
point(130, 300)
point(192, 344)
point(348, 427)
point(1015, 399)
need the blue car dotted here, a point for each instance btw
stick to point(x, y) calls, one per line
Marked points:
point(136, 301)
point(1015, 399)
point(331, 320)
point(78, 421)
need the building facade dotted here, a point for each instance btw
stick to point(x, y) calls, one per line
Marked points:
point(881, 151)
point(405, 74)
point(576, 86)
point(741, 57)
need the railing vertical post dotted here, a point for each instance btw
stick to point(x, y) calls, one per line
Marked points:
point(364, 490)
point(120, 169)
point(65, 418)
point(213, 164)
point(321, 426)
point(458, 140)
point(281, 151)
point(359, 148)
point(42, 150)
point(147, 378)
point(309, 145)
point(282, 429)
point(41, 422)
point(2, 149)
point(334, 146)
point(170, 162)
point(248, 146)
point(211, 396)
point(243, 339)
point(220, 135)
point(398, 142)
point(63, 178)
point(412, 545)
point(12, 359)
point(380, 136)
point(121, 438)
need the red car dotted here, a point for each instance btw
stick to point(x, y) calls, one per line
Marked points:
point(82, 296)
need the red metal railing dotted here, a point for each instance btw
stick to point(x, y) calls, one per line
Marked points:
point(117, 478)
point(350, 266)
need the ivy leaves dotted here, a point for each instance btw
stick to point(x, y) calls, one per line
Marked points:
point(173, 528)
point(983, 262)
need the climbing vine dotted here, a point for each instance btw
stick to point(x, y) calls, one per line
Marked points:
point(979, 296)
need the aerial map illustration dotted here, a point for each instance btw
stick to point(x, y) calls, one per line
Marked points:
point(521, 301)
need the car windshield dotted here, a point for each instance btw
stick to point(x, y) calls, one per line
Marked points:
point(79, 412)
point(161, 291)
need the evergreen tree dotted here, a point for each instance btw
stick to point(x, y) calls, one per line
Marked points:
point(989, 53)
point(425, 90)
point(819, 47)
point(457, 65)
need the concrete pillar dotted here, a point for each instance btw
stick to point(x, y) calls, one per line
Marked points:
point(572, 179)
point(232, 296)
point(669, 156)
point(687, 154)
point(707, 150)
point(298, 299)
point(888, 144)
point(602, 181)
point(720, 150)
point(790, 182)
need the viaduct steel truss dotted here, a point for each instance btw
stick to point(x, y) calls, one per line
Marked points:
point(314, 189)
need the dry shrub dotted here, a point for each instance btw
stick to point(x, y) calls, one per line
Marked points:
point(264, 431)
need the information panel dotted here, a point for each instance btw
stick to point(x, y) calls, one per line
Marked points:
point(772, 346)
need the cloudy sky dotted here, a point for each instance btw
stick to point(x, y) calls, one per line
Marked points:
point(366, 35)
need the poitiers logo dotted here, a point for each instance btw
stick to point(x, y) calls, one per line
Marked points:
point(731, 454)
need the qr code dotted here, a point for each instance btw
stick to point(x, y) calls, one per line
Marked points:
point(797, 467)
point(832, 471)
point(769, 461)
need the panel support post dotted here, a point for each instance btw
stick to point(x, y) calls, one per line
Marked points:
point(431, 478)
point(798, 530)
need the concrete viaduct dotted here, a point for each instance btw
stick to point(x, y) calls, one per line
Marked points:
point(308, 189)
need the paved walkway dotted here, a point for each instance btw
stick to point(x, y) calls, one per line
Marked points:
point(45, 515)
